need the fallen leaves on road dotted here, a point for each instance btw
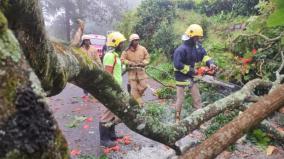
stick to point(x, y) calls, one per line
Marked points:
point(86, 126)
point(90, 119)
point(76, 121)
point(75, 152)
point(126, 140)
point(86, 97)
point(108, 150)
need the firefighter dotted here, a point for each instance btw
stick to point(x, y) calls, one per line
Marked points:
point(136, 57)
point(185, 57)
point(91, 51)
point(112, 65)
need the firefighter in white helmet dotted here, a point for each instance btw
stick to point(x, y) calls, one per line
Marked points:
point(136, 57)
point(89, 50)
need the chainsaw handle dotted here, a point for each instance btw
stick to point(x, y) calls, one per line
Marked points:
point(211, 72)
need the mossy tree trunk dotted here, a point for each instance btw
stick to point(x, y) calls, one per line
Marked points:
point(27, 128)
point(56, 64)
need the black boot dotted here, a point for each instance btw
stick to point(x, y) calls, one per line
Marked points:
point(105, 139)
point(113, 135)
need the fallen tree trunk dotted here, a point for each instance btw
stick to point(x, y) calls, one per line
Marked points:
point(27, 127)
point(231, 132)
point(56, 64)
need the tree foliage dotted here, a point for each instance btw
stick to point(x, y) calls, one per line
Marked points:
point(276, 19)
point(213, 7)
point(68, 11)
point(151, 14)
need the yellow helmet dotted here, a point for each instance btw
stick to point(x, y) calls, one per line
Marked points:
point(194, 30)
point(114, 39)
point(133, 37)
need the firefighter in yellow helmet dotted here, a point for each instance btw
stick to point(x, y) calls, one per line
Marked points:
point(112, 65)
point(136, 57)
point(185, 57)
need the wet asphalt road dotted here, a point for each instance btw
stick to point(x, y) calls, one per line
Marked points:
point(78, 119)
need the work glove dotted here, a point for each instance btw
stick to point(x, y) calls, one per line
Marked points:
point(185, 69)
point(141, 64)
point(136, 65)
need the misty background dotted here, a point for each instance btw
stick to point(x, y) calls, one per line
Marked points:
point(100, 15)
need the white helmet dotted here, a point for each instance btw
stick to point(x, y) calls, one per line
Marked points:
point(86, 37)
point(134, 37)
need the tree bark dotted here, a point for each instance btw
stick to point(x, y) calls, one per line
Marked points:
point(231, 132)
point(27, 128)
point(272, 130)
point(56, 64)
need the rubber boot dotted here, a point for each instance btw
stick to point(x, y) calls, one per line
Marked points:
point(113, 135)
point(105, 139)
point(177, 117)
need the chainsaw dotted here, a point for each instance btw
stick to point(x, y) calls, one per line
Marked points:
point(208, 75)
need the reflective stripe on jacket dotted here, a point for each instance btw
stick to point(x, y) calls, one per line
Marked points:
point(185, 57)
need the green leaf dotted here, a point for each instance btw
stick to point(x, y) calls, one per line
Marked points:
point(76, 120)
point(80, 118)
point(276, 18)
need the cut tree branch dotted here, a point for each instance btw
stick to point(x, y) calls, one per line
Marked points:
point(264, 37)
point(157, 80)
point(279, 77)
point(232, 131)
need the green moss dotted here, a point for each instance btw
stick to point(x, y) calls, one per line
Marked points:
point(3, 22)
point(85, 58)
point(61, 145)
point(10, 89)
point(9, 46)
point(15, 154)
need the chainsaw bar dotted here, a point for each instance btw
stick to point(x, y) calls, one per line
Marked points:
point(213, 80)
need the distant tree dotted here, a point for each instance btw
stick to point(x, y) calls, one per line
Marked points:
point(239, 7)
point(150, 14)
point(67, 11)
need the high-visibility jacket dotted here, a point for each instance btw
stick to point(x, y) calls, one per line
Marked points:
point(112, 59)
point(185, 57)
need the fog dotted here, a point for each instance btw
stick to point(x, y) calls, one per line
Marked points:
point(100, 15)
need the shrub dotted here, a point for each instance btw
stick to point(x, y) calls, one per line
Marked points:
point(151, 14)
point(164, 39)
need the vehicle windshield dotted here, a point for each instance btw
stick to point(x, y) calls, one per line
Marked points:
point(98, 41)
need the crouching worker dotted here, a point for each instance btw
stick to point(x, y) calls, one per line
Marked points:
point(112, 65)
point(185, 57)
point(136, 57)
